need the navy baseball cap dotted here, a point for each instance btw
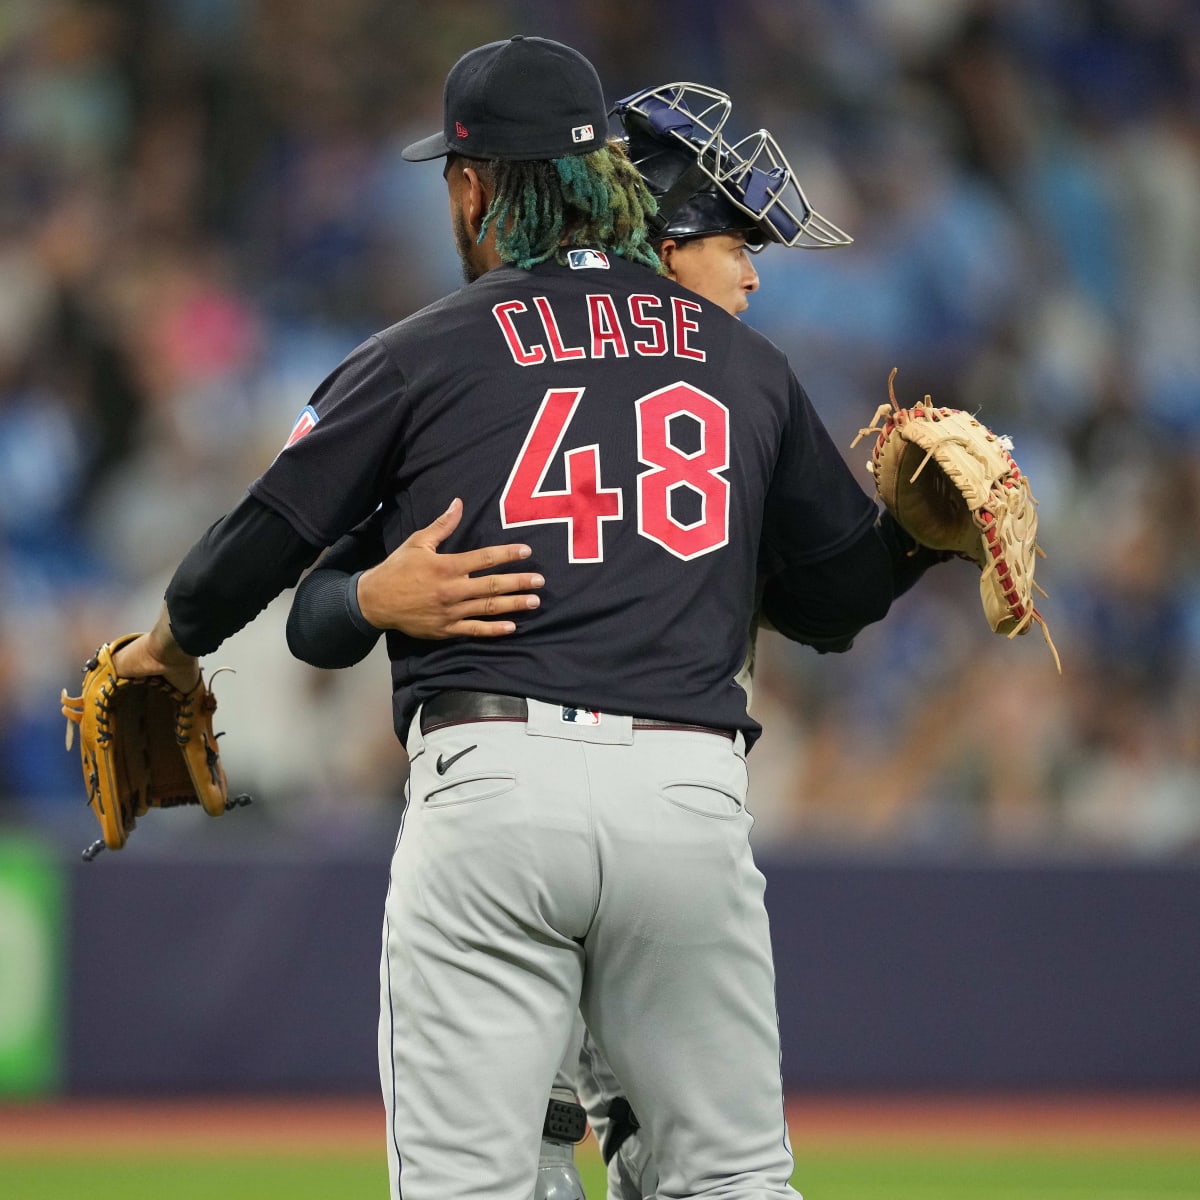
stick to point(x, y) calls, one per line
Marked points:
point(526, 98)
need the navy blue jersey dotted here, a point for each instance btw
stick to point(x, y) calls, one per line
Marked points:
point(640, 439)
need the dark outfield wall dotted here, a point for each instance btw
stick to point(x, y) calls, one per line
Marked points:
point(262, 974)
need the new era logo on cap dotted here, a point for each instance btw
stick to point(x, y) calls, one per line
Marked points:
point(582, 133)
point(460, 130)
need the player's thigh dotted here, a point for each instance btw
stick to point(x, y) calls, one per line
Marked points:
point(492, 875)
point(680, 987)
point(494, 843)
point(481, 974)
point(672, 835)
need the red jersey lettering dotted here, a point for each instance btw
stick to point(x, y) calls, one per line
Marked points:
point(606, 327)
point(558, 351)
point(583, 506)
point(522, 355)
point(656, 345)
point(672, 469)
point(655, 336)
point(679, 309)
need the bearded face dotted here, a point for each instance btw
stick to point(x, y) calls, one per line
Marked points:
point(466, 246)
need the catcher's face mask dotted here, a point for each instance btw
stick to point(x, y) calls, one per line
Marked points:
point(748, 185)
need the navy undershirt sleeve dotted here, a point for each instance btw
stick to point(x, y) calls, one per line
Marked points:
point(239, 565)
point(825, 604)
point(326, 627)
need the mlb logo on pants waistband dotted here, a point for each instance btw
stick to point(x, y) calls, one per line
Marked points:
point(580, 716)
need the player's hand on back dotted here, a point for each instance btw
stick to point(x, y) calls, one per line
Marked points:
point(427, 594)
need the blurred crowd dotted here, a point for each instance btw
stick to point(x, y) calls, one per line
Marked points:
point(203, 209)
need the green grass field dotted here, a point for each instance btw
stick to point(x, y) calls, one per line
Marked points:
point(854, 1148)
point(859, 1173)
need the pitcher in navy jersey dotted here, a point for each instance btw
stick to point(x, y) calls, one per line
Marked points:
point(706, 240)
point(665, 468)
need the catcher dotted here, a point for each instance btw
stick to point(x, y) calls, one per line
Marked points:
point(953, 486)
point(144, 743)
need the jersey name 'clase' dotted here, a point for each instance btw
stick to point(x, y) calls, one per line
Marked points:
point(651, 327)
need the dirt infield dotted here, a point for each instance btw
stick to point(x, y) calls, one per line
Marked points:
point(355, 1125)
point(1076, 1122)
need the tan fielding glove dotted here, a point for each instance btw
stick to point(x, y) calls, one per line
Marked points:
point(144, 744)
point(953, 485)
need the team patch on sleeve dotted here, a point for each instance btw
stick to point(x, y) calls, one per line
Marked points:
point(304, 423)
point(580, 260)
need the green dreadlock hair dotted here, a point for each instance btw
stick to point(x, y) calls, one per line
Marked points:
point(541, 209)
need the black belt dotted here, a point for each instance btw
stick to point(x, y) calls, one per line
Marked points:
point(459, 708)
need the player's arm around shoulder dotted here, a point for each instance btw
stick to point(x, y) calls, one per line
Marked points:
point(341, 607)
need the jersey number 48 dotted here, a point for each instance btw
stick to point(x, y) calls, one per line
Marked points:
point(584, 504)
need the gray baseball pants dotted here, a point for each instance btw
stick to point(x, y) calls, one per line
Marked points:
point(551, 865)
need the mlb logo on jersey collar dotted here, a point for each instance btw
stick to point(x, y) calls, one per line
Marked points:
point(580, 716)
point(579, 260)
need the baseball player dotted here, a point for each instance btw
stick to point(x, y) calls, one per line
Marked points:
point(576, 831)
point(702, 235)
point(704, 246)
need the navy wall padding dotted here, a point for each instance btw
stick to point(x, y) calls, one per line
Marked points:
point(261, 974)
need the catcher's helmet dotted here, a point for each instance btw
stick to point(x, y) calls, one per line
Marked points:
point(705, 185)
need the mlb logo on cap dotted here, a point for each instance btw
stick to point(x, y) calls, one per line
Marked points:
point(582, 133)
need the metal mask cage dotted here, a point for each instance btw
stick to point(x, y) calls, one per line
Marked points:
point(756, 176)
point(688, 112)
point(753, 174)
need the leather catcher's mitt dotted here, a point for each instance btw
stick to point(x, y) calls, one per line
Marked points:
point(144, 744)
point(953, 485)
